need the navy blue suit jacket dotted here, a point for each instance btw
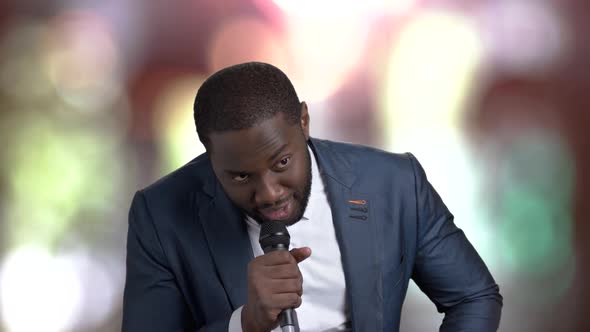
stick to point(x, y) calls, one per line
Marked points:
point(188, 248)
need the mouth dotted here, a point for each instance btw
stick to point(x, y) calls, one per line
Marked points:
point(282, 212)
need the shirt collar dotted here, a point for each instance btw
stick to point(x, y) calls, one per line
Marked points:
point(317, 187)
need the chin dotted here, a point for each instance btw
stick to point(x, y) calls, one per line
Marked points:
point(290, 222)
point(287, 221)
point(294, 220)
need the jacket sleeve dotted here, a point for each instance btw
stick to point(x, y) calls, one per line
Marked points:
point(152, 300)
point(447, 267)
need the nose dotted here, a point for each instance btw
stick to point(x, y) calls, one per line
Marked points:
point(268, 191)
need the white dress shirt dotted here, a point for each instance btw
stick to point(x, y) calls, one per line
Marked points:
point(323, 306)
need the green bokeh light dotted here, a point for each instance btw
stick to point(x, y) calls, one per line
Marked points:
point(57, 170)
point(535, 205)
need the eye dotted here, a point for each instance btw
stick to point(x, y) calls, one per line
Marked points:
point(284, 162)
point(240, 178)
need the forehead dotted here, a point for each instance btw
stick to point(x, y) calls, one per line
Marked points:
point(248, 148)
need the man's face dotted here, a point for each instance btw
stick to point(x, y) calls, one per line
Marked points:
point(265, 170)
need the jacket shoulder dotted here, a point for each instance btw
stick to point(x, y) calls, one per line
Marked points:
point(367, 157)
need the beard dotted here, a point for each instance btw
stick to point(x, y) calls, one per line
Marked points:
point(301, 198)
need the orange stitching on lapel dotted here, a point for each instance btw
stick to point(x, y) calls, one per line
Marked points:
point(358, 202)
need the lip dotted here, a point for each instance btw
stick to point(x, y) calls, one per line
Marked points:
point(282, 212)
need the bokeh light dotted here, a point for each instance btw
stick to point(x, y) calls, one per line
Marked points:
point(82, 60)
point(178, 138)
point(100, 286)
point(38, 292)
point(21, 62)
point(535, 191)
point(431, 70)
point(327, 51)
point(246, 39)
point(344, 8)
point(524, 37)
point(60, 171)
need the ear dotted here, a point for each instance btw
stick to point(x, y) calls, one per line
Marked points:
point(305, 120)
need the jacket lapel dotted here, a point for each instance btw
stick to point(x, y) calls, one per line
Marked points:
point(357, 233)
point(228, 239)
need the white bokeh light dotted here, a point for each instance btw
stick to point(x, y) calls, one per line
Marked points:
point(525, 37)
point(324, 54)
point(82, 59)
point(38, 292)
point(344, 8)
point(99, 291)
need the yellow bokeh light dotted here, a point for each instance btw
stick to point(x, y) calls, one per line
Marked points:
point(431, 71)
point(178, 140)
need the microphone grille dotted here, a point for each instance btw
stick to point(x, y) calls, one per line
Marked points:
point(273, 233)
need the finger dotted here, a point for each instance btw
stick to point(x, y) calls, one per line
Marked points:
point(278, 257)
point(285, 301)
point(283, 271)
point(286, 286)
point(300, 254)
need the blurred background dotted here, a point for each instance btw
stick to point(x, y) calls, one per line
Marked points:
point(490, 95)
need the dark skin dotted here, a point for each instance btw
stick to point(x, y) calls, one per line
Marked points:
point(265, 171)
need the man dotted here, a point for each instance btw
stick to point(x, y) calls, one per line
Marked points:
point(371, 218)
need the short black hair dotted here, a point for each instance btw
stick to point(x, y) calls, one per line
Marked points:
point(241, 96)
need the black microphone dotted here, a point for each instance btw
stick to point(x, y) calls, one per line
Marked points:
point(274, 236)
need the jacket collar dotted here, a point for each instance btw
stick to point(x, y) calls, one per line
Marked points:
point(333, 164)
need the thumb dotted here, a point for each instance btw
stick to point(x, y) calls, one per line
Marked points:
point(300, 254)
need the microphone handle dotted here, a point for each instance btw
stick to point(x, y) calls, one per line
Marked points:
point(287, 317)
point(289, 321)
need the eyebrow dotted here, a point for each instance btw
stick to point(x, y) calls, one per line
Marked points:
point(271, 158)
point(278, 152)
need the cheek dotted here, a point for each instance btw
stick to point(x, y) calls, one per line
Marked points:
point(239, 196)
point(297, 177)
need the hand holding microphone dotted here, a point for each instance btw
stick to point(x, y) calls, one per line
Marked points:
point(274, 282)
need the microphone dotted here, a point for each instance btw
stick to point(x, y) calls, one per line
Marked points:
point(274, 236)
